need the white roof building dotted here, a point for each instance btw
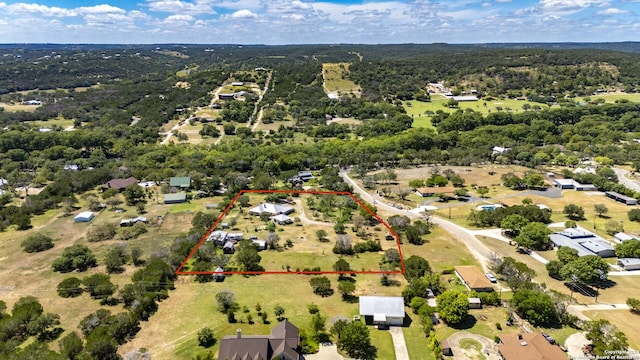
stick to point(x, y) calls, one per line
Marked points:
point(270, 208)
point(385, 310)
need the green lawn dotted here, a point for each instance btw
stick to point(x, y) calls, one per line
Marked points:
point(417, 343)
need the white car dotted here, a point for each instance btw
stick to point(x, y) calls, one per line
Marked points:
point(491, 277)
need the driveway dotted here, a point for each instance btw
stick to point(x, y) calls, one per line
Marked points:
point(326, 352)
point(489, 349)
point(574, 344)
point(399, 345)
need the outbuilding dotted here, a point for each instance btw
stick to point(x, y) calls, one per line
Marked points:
point(84, 216)
point(382, 310)
point(175, 198)
point(475, 303)
point(629, 263)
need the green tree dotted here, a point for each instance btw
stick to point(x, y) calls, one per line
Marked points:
point(634, 215)
point(342, 266)
point(634, 305)
point(318, 325)
point(535, 236)
point(134, 194)
point(101, 345)
point(413, 235)
point(278, 311)
point(206, 337)
point(247, 255)
point(346, 288)
point(71, 346)
point(513, 223)
point(36, 243)
point(229, 129)
point(321, 286)
point(415, 267)
point(321, 235)
point(605, 337)
point(573, 212)
point(354, 339)
point(613, 227)
point(75, 257)
point(628, 249)
point(115, 259)
point(70, 287)
point(453, 306)
point(600, 209)
point(535, 306)
point(482, 191)
point(226, 302)
point(587, 268)
point(566, 254)
point(99, 286)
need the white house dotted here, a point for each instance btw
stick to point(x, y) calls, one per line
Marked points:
point(282, 219)
point(271, 209)
point(385, 310)
point(84, 216)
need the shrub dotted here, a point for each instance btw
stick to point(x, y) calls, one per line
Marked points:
point(70, 287)
point(206, 338)
point(76, 257)
point(102, 233)
point(368, 246)
point(37, 243)
point(132, 232)
point(321, 286)
point(634, 215)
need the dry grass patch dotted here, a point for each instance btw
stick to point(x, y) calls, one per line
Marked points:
point(624, 320)
point(335, 79)
point(18, 107)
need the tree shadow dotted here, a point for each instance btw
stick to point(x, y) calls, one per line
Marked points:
point(351, 299)
point(581, 289)
point(607, 284)
point(467, 323)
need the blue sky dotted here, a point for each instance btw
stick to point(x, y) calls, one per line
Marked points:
point(326, 21)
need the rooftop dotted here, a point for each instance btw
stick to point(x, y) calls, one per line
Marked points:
point(528, 346)
point(473, 277)
point(180, 181)
point(392, 306)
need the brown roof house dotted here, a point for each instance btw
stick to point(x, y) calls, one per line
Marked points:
point(119, 184)
point(473, 278)
point(433, 190)
point(528, 346)
point(283, 343)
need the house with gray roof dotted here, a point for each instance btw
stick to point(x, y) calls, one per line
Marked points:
point(283, 343)
point(629, 263)
point(182, 182)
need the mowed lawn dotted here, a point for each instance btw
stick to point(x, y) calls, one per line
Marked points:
point(624, 320)
point(192, 306)
point(422, 111)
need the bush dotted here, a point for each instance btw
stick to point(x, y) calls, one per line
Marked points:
point(70, 287)
point(206, 338)
point(132, 232)
point(634, 215)
point(76, 257)
point(368, 246)
point(37, 243)
point(102, 233)
point(321, 286)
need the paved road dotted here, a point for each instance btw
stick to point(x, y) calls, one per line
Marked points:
point(480, 251)
point(624, 180)
point(399, 345)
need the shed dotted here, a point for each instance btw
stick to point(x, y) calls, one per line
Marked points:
point(218, 274)
point(237, 236)
point(237, 83)
point(627, 200)
point(175, 198)
point(629, 263)
point(620, 237)
point(282, 219)
point(446, 348)
point(260, 244)
point(228, 248)
point(383, 310)
point(84, 216)
point(475, 303)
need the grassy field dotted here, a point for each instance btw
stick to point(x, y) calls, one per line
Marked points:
point(422, 111)
point(18, 107)
point(611, 98)
point(61, 122)
point(334, 80)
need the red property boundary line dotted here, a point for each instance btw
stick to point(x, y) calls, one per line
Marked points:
point(310, 192)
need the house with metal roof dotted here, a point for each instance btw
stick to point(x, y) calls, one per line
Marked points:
point(585, 242)
point(175, 198)
point(627, 200)
point(271, 209)
point(382, 310)
point(629, 263)
point(182, 182)
point(473, 278)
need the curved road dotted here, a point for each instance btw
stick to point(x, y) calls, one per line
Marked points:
point(624, 180)
point(477, 248)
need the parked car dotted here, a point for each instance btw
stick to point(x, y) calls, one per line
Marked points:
point(524, 250)
point(491, 277)
point(551, 340)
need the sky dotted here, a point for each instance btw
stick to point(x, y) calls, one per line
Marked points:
point(276, 22)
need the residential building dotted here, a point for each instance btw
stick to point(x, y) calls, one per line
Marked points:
point(620, 237)
point(182, 182)
point(473, 278)
point(565, 184)
point(282, 219)
point(260, 244)
point(120, 184)
point(230, 96)
point(528, 346)
point(218, 237)
point(382, 310)
point(228, 248)
point(283, 343)
point(497, 150)
point(271, 209)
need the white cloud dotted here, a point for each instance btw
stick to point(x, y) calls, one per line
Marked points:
point(182, 7)
point(612, 11)
point(570, 6)
point(243, 14)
